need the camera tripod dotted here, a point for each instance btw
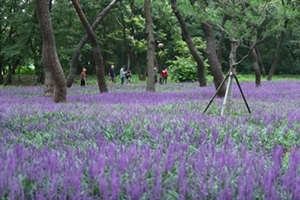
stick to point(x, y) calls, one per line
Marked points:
point(229, 75)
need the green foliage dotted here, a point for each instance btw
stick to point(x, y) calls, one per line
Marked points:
point(26, 70)
point(122, 31)
point(184, 67)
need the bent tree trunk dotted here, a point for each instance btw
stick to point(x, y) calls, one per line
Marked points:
point(190, 44)
point(260, 63)
point(232, 62)
point(277, 53)
point(213, 60)
point(255, 64)
point(252, 48)
point(150, 46)
point(95, 47)
point(49, 53)
point(84, 40)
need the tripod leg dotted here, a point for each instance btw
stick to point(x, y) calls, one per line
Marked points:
point(222, 83)
point(236, 79)
point(228, 92)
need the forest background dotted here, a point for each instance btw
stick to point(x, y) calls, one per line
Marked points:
point(122, 39)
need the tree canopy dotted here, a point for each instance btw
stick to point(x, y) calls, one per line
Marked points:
point(121, 34)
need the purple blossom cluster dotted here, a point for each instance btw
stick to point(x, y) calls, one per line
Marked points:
point(133, 144)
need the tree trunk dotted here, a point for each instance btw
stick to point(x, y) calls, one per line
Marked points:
point(49, 84)
point(212, 57)
point(74, 59)
point(40, 73)
point(253, 51)
point(9, 80)
point(128, 48)
point(138, 68)
point(95, 47)
point(232, 62)
point(260, 63)
point(221, 40)
point(1, 69)
point(49, 53)
point(255, 64)
point(277, 53)
point(8, 76)
point(190, 44)
point(150, 46)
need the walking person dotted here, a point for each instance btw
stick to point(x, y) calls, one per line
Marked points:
point(83, 77)
point(164, 74)
point(122, 75)
point(112, 75)
point(128, 76)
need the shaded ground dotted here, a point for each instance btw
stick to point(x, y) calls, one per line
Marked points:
point(24, 80)
point(27, 80)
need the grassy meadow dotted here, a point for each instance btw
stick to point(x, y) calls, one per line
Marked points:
point(133, 144)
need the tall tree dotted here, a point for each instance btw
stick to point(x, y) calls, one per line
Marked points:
point(150, 46)
point(277, 52)
point(252, 42)
point(260, 63)
point(213, 60)
point(84, 40)
point(95, 47)
point(211, 52)
point(290, 14)
point(190, 43)
point(49, 53)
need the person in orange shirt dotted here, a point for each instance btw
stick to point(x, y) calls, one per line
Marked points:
point(83, 77)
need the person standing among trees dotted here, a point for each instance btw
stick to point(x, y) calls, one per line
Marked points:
point(83, 77)
point(122, 75)
point(164, 75)
point(112, 74)
point(128, 75)
point(155, 73)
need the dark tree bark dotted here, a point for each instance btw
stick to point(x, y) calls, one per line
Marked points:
point(277, 53)
point(190, 44)
point(134, 57)
point(95, 47)
point(128, 48)
point(260, 63)
point(49, 84)
point(49, 52)
point(212, 57)
point(1, 76)
point(1, 64)
point(221, 40)
point(253, 51)
point(255, 64)
point(150, 46)
point(141, 75)
point(11, 71)
point(74, 60)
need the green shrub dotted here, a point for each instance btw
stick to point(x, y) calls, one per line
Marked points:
point(184, 67)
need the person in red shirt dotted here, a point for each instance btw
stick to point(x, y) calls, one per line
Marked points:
point(83, 77)
point(164, 75)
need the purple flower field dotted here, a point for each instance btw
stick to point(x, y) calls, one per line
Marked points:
point(132, 144)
